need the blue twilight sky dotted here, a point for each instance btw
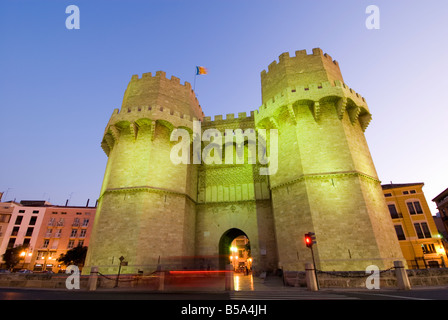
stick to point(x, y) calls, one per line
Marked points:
point(58, 87)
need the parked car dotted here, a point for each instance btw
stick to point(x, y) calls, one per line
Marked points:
point(24, 271)
point(4, 271)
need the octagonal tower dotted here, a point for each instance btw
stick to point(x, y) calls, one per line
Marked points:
point(146, 205)
point(326, 181)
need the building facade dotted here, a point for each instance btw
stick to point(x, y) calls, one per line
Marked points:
point(313, 173)
point(23, 228)
point(63, 228)
point(6, 210)
point(419, 238)
point(441, 201)
point(45, 231)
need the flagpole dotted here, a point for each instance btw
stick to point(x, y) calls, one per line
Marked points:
point(194, 85)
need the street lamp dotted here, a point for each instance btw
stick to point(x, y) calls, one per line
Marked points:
point(23, 255)
point(119, 270)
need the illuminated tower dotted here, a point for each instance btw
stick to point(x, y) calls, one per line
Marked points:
point(146, 206)
point(326, 181)
point(150, 208)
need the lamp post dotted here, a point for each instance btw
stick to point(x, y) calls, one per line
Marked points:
point(119, 270)
point(24, 254)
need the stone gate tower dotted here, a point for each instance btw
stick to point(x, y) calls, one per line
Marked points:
point(151, 210)
point(326, 182)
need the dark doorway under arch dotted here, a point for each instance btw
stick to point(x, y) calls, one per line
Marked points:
point(224, 245)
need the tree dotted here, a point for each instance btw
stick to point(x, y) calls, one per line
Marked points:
point(75, 256)
point(12, 256)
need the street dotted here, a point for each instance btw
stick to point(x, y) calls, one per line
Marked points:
point(267, 304)
point(280, 294)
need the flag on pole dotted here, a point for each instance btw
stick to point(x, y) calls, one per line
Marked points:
point(201, 70)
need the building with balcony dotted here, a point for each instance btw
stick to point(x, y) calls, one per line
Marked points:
point(419, 238)
point(63, 228)
point(46, 231)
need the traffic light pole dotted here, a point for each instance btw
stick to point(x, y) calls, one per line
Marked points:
point(314, 264)
point(310, 240)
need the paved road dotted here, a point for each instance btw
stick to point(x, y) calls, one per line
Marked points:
point(265, 304)
point(430, 293)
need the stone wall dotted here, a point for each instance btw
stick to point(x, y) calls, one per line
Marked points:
point(357, 279)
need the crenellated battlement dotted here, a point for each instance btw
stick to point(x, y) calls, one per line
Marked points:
point(162, 74)
point(285, 58)
point(158, 89)
point(299, 70)
point(230, 117)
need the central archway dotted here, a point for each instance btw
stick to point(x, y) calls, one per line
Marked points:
point(225, 243)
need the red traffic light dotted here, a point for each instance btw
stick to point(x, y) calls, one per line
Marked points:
point(309, 239)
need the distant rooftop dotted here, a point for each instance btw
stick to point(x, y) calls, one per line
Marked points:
point(43, 203)
point(400, 185)
point(441, 196)
point(35, 203)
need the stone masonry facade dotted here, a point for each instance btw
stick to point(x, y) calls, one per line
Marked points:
point(157, 213)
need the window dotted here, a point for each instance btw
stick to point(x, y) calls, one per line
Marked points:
point(26, 242)
point(414, 207)
point(15, 231)
point(82, 234)
point(61, 222)
point(85, 222)
point(21, 211)
point(400, 232)
point(417, 206)
point(35, 211)
point(73, 233)
point(393, 211)
point(418, 229)
point(412, 191)
point(388, 194)
point(46, 242)
point(71, 244)
point(433, 264)
point(428, 248)
point(11, 242)
point(29, 231)
point(76, 222)
point(19, 220)
point(405, 192)
point(51, 222)
point(80, 243)
point(426, 231)
point(422, 230)
point(33, 221)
